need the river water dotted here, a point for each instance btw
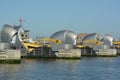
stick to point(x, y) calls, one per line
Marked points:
point(88, 68)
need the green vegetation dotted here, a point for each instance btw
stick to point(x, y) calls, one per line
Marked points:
point(10, 61)
point(50, 57)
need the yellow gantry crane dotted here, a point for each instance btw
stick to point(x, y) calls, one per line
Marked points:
point(92, 42)
point(31, 46)
point(44, 42)
point(50, 40)
point(89, 43)
point(116, 44)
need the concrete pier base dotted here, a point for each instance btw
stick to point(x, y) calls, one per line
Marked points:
point(106, 52)
point(69, 53)
point(10, 56)
point(118, 51)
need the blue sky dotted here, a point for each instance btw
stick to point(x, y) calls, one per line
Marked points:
point(44, 17)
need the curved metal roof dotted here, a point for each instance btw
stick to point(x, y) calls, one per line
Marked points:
point(91, 39)
point(67, 37)
point(80, 37)
point(107, 40)
point(20, 30)
point(17, 27)
point(92, 36)
point(7, 33)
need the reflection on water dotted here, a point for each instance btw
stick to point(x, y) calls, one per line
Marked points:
point(93, 68)
point(8, 70)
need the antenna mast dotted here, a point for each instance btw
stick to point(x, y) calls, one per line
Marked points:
point(21, 21)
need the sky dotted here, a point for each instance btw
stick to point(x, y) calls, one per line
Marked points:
point(45, 17)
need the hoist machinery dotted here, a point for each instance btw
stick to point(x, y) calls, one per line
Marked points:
point(44, 42)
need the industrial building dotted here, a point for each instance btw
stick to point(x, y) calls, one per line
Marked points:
point(8, 51)
point(67, 37)
point(17, 38)
point(94, 44)
point(59, 44)
point(68, 41)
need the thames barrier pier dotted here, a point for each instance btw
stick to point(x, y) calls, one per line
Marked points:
point(16, 43)
point(9, 55)
point(69, 53)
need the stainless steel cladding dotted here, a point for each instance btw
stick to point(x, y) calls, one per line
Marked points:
point(91, 39)
point(107, 40)
point(92, 36)
point(66, 36)
point(20, 34)
point(80, 37)
point(7, 33)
